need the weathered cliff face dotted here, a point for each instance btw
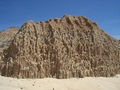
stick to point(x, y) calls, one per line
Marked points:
point(62, 48)
point(6, 38)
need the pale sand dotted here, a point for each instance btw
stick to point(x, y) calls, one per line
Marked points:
point(88, 83)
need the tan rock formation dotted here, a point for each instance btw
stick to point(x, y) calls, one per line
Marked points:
point(62, 48)
point(6, 38)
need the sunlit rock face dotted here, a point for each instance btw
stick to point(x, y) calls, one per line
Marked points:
point(67, 47)
point(6, 37)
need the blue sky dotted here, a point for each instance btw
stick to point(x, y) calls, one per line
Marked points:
point(105, 12)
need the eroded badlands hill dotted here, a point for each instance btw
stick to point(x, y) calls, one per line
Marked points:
point(6, 38)
point(63, 48)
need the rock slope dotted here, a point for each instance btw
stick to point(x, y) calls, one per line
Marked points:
point(6, 38)
point(67, 47)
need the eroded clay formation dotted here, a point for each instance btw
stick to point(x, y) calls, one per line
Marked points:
point(64, 47)
point(6, 37)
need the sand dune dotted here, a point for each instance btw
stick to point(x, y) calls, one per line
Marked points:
point(88, 83)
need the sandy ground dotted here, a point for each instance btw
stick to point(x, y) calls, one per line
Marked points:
point(88, 83)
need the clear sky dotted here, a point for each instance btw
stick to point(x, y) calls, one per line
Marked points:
point(105, 12)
